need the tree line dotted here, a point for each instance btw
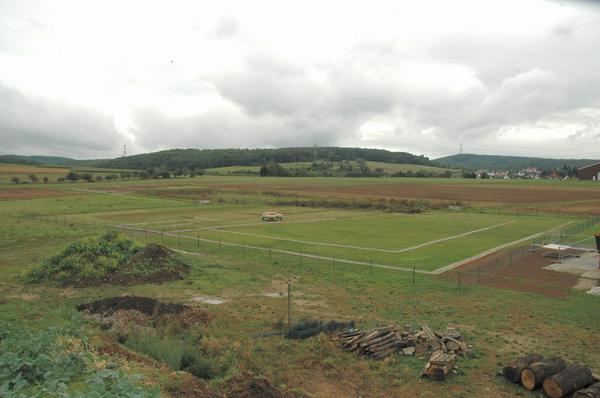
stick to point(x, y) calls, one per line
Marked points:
point(212, 158)
point(151, 173)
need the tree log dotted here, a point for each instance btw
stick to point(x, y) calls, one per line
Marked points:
point(571, 379)
point(513, 372)
point(534, 375)
point(592, 391)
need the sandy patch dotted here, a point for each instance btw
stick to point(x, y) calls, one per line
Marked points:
point(208, 300)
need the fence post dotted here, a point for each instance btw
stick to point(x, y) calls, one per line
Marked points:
point(458, 282)
point(145, 232)
point(479, 274)
point(178, 238)
point(414, 274)
point(270, 255)
point(370, 268)
point(301, 258)
point(162, 236)
point(289, 305)
point(198, 241)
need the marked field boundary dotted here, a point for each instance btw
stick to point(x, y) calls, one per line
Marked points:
point(438, 271)
point(496, 249)
point(395, 251)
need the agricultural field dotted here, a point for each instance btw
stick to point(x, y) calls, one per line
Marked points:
point(375, 252)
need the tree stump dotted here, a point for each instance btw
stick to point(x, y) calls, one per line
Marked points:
point(534, 375)
point(571, 379)
point(513, 371)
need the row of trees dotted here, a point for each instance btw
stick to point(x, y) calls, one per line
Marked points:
point(359, 168)
point(152, 173)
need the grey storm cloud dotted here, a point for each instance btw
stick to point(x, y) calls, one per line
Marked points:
point(35, 125)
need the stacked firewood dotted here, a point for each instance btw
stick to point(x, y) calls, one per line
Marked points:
point(382, 342)
point(556, 376)
point(376, 343)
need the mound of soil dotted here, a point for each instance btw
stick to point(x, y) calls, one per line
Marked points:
point(247, 385)
point(153, 263)
point(147, 306)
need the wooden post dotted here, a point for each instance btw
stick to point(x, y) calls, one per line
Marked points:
point(414, 274)
point(178, 238)
point(270, 255)
point(219, 243)
point(458, 282)
point(370, 268)
point(145, 232)
point(244, 249)
point(301, 258)
point(162, 236)
point(289, 305)
point(198, 241)
point(479, 274)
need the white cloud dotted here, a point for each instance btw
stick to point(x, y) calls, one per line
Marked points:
point(421, 76)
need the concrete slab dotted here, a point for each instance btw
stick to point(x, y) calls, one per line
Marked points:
point(587, 262)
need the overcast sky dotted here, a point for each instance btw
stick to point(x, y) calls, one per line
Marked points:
point(82, 78)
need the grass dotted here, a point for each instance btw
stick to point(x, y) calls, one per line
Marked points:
point(500, 323)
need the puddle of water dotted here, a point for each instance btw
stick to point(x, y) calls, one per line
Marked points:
point(208, 300)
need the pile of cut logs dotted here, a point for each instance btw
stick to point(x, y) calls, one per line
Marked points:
point(382, 342)
point(557, 377)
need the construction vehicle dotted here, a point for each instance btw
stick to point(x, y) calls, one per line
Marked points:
point(272, 216)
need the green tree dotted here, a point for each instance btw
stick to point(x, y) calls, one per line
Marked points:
point(16, 180)
point(33, 178)
point(72, 176)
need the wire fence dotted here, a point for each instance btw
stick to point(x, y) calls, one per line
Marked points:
point(519, 268)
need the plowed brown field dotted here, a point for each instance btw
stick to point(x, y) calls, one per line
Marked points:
point(465, 193)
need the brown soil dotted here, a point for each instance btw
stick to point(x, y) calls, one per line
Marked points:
point(524, 274)
point(188, 386)
point(247, 385)
point(33, 193)
point(450, 192)
point(147, 306)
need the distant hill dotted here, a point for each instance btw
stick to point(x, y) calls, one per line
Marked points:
point(498, 162)
point(213, 158)
point(44, 160)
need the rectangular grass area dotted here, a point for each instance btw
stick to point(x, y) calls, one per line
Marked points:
point(427, 241)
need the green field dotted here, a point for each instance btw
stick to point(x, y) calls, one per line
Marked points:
point(325, 253)
point(387, 167)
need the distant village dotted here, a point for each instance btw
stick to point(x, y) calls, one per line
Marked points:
point(530, 173)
